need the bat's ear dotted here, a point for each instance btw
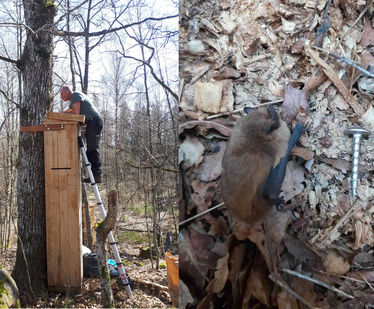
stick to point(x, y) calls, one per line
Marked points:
point(248, 110)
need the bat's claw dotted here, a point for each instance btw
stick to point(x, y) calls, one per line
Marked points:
point(280, 202)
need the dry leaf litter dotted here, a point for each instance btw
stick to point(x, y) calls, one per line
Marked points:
point(237, 53)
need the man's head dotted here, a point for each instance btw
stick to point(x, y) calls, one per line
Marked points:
point(66, 93)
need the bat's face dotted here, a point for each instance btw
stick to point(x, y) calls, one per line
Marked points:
point(262, 130)
point(262, 120)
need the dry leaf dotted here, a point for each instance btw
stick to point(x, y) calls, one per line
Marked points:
point(190, 150)
point(227, 73)
point(293, 180)
point(363, 259)
point(199, 115)
point(340, 102)
point(367, 35)
point(203, 194)
point(295, 105)
point(258, 283)
point(367, 119)
point(305, 289)
point(336, 18)
point(237, 255)
point(286, 301)
point(303, 153)
point(203, 127)
point(344, 166)
point(300, 251)
point(211, 168)
point(361, 275)
point(314, 81)
point(335, 263)
point(220, 275)
point(185, 296)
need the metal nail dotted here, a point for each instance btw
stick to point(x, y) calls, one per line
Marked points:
point(357, 133)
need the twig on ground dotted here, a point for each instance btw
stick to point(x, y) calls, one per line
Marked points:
point(200, 214)
point(319, 282)
point(293, 293)
point(144, 282)
point(347, 61)
point(356, 21)
point(240, 110)
point(353, 209)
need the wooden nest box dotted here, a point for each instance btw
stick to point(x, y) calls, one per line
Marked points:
point(63, 202)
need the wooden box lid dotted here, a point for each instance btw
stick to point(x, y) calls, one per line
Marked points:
point(66, 117)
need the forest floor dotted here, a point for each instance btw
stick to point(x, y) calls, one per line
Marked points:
point(146, 294)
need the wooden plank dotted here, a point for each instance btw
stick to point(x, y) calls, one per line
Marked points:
point(64, 208)
point(63, 289)
point(53, 121)
point(66, 117)
point(75, 208)
point(46, 127)
point(52, 207)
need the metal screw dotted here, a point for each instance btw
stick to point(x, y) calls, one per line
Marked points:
point(357, 133)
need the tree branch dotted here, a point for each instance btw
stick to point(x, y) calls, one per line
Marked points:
point(61, 18)
point(92, 34)
point(146, 167)
point(5, 119)
point(9, 60)
point(175, 96)
point(9, 100)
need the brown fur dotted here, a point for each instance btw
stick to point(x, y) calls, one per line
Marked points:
point(249, 157)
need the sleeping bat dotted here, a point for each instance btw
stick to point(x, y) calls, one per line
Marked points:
point(254, 163)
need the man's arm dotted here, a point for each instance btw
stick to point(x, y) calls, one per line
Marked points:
point(76, 109)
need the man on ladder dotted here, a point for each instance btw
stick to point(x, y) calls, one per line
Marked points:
point(82, 105)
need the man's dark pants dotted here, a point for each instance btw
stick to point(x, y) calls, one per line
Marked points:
point(93, 131)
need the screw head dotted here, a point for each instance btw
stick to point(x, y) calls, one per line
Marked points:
point(357, 130)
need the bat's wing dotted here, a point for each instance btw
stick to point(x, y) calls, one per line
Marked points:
point(273, 183)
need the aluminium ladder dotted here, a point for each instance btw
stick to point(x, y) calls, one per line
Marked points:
point(121, 269)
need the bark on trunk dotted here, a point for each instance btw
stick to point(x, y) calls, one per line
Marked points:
point(102, 232)
point(36, 65)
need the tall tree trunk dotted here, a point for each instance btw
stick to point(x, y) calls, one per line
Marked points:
point(36, 65)
point(70, 43)
point(153, 188)
point(87, 49)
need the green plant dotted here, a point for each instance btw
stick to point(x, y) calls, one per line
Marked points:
point(139, 210)
point(67, 302)
point(3, 291)
point(131, 236)
point(127, 262)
